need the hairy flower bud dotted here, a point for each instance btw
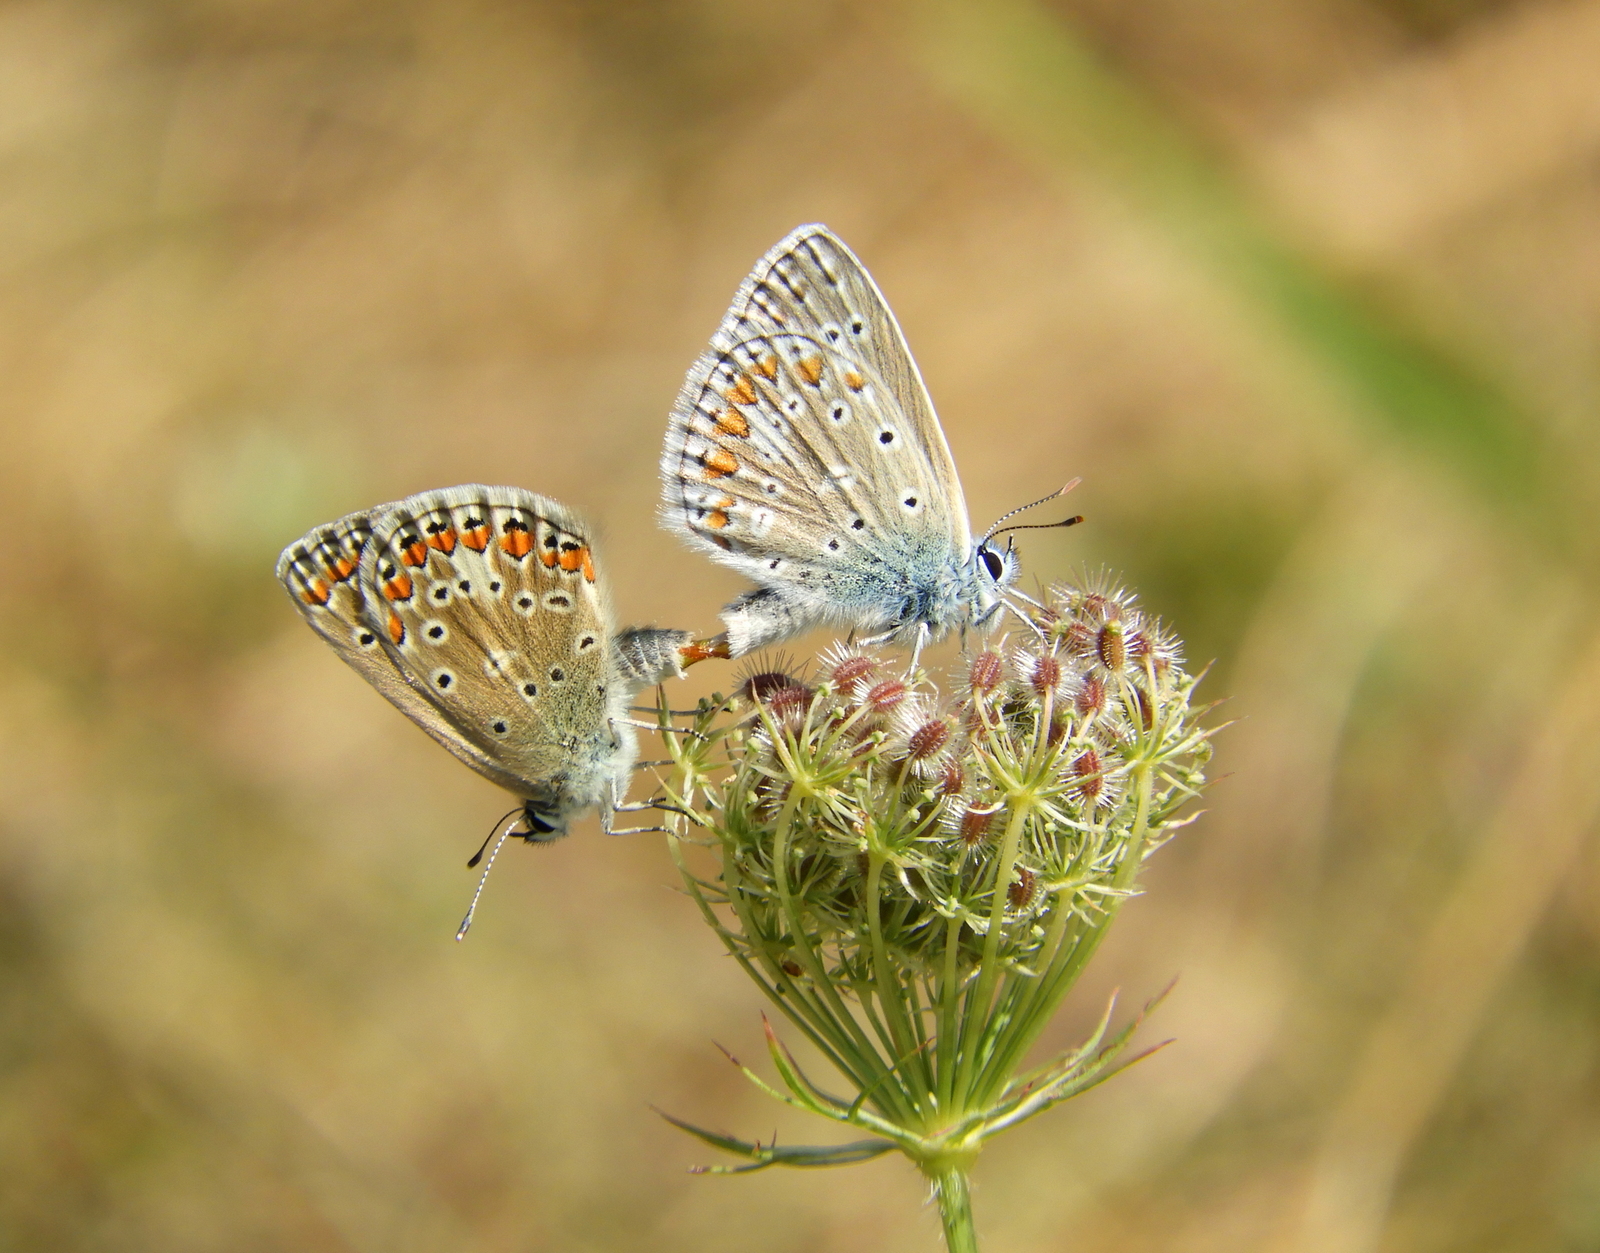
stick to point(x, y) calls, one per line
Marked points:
point(1023, 888)
point(886, 696)
point(985, 672)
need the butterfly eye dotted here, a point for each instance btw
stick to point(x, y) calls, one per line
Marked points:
point(992, 562)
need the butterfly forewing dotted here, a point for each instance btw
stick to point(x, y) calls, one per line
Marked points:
point(803, 450)
point(487, 602)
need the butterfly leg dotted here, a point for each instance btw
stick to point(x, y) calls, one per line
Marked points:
point(1019, 615)
point(656, 726)
point(916, 649)
point(616, 805)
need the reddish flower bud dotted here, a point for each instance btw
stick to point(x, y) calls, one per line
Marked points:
point(1023, 888)
point(1044, 674)
point(985, 672)
point(1086, 768)
point(1077, 639)
point(1142, 700)
point(928, 739)
point(1090, 698)
point(883, 697)
point(852, 670)
point(952, 778)
point(1112, 647)
point(789, 704)
point(974, 826)
point(759, 686)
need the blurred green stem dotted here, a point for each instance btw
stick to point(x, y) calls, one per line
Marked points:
point(1022, 69)
point(954, 1195)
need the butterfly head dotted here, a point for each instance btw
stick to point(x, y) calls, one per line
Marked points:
point(994, 568)
point(541, 822)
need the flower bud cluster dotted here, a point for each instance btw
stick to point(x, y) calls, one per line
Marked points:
point(872, 825)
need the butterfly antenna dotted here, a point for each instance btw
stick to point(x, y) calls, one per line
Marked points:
point(996, 528)
point(478, 856)
point(466, 923)
point(1039, 526)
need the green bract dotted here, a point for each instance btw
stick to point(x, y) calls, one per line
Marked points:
point(916, 878)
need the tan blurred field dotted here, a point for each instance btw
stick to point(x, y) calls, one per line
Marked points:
point(1307, 291)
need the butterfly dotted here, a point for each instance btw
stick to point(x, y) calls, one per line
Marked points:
point(803, 451)
point(481, 614)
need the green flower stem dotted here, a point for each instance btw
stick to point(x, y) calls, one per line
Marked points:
point(867, 1069)
point(888, 981)
point(949, 1008)
point(951, 1190)
point(977, 1005)
point(1068, 963)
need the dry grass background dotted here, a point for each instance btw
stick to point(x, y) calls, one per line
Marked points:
point(1308, 291)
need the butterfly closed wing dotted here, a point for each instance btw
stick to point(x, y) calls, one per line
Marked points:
point(804, 452)
point(480, 613)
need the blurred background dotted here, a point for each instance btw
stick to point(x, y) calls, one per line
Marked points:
point(1308, 291)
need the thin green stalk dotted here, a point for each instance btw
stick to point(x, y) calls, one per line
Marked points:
point(881, 1077)
point(1062, 978)
point(954, 1195)
point(949, 1005)
point(977, 1001)
point(901, 1032)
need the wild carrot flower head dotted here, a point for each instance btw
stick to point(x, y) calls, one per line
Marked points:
point(916, 878)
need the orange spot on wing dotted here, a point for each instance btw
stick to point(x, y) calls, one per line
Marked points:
point(518, 543)
point(767, 367)
point(854, 381)
point(549, 556)
point(316, 593)
point(342, 568)
point(398, 588)
point(717, 518)
point(719, 463)
point(732, 422)
point(588, 566)
point(415, 553)
point(572, 558)
point(810, 369)
point(476, 539)
point(743, 392)
point(397, 628)
point(444, 541)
